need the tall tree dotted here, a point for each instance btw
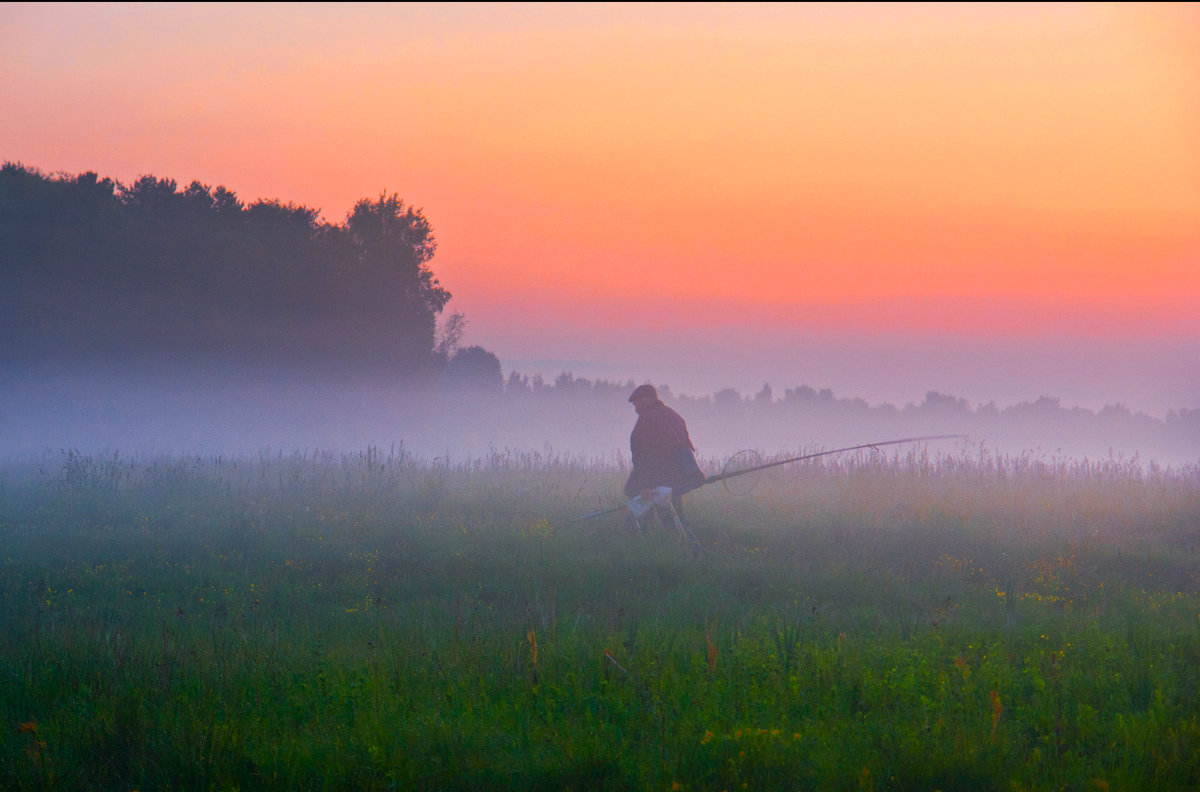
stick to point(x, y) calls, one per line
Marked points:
point(394, 244)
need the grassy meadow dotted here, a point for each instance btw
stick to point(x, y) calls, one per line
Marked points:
point(374, 621)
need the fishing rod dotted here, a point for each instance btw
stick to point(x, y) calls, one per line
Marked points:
point(777, 463)
point(734, 473)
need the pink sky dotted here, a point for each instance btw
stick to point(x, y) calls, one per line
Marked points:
point(708, 195)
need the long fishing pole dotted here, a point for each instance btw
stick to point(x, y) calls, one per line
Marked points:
point(777, 463)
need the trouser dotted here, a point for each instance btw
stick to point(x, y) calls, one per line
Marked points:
point(677, 502)
point(664, 502)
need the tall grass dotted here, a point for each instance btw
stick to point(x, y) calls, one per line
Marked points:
point(376, 621)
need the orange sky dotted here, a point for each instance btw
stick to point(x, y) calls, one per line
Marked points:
point(812, 164)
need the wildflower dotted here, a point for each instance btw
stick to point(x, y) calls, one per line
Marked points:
point(609, 656)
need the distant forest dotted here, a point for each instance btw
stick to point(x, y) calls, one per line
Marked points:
point(98, 271)
point(103, 277)
point(802, 416)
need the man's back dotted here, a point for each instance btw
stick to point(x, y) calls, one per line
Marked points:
point(658, 438)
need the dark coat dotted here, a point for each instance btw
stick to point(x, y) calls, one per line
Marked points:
point(659, 439)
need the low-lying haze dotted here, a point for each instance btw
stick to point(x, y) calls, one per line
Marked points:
point(1149, 375)
point(196, 411)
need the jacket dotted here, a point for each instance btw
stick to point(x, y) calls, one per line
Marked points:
point(658, 443)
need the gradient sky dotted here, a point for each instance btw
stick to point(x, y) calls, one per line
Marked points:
point(996, 201)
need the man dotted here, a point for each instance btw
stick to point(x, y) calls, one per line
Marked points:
point(663, 454)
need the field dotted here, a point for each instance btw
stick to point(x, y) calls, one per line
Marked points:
point(374, 621)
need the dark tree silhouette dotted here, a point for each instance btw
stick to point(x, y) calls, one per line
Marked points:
point(394, 244)
point(391, 235)
point(476, 369)
point(92, 269)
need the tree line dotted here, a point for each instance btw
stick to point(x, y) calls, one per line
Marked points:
point(93, 271)
point(803, 417)
point(97, 270)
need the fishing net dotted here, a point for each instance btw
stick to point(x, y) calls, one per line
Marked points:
point(742, 484)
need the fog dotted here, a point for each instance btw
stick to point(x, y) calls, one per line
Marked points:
point(137, 413)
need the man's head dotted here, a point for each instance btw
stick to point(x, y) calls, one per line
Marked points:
point(643, 395)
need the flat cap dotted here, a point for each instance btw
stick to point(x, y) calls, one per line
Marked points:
point(643, 392)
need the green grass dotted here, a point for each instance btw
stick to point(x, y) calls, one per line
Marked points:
point(376, 622)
